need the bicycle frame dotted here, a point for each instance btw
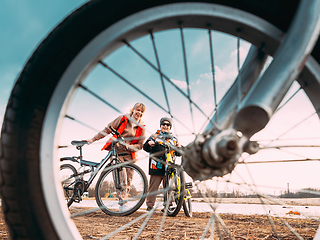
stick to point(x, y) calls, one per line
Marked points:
point(94, 172)
point(187, 195)
point(94, 167)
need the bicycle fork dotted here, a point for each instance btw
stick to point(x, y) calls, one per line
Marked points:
point(116, 173)
point(117, 179)
point(217, 150)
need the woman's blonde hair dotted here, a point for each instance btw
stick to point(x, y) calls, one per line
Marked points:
point(136, 106)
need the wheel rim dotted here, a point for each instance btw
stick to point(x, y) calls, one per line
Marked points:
point(67, 182)
point(85, 62)
point(135, 193)
point(187, 206)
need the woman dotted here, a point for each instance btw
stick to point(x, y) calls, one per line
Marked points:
point(131, 128)
point(156, 168)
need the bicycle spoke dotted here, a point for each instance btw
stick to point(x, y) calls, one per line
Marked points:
point(126, 225)
point(290, 146)
point(264, 197)
point(210, 222)
point(310, 192)
point(173, 84)
point(132, 85)
point(186, 72)
point(217, 217)
point(100, 98)
point(213, 225)
point(238, 67)
point(289, 99)
point(232, 101)
point(292, 128)
point(161, 76)
point(263, 202)
point(142, 93)
point(240, 87)
point(281, 161)
point(213, 76)
point(250, 186)
point(144, 224)
point(78, 214)
point(82, 123)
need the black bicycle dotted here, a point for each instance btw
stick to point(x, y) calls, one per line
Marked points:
point(121, 188)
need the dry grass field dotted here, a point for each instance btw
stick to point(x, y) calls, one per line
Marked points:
point(97, 224)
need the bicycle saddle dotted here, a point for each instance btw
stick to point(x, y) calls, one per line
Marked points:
point(78, 143)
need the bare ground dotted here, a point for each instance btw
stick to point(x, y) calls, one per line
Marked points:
point(97, 224)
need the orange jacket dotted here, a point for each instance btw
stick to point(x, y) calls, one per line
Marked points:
point(121, 128)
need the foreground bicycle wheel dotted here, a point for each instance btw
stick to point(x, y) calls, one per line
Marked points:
point(107, 191)
point(30, 188)
point(67, 177)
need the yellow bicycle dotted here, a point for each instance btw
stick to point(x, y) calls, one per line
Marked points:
point(178, 194)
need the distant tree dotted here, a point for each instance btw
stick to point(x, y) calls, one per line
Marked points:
point(133, 191)
point(211, 193)
point(91, 192)
point(303, 193)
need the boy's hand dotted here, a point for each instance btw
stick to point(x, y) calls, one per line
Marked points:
point(151, 143)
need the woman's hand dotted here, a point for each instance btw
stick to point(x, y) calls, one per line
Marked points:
point(89, 141)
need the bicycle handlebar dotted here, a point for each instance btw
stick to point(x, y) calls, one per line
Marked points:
point(116, 132)
point(164, 144)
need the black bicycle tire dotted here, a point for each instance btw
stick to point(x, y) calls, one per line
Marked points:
point(187, 210)
point(137, 206)
point(74, 170)
point(180, 200)
point(67, 165)
point(21, 187)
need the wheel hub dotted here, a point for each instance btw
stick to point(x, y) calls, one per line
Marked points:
point(213, 155)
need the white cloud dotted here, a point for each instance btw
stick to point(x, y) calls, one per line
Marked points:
point(243, 53)
point(206, 75)
point(227, 73)
point(179, 83)
point(221, 75)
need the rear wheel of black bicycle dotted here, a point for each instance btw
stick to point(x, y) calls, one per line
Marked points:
point(174, 197)
point(116, 194)
point(67, 176)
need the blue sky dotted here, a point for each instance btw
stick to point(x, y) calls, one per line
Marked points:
point(23, 25)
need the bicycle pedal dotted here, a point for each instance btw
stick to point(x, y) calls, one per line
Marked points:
point(189, 185)
point(77, 199)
